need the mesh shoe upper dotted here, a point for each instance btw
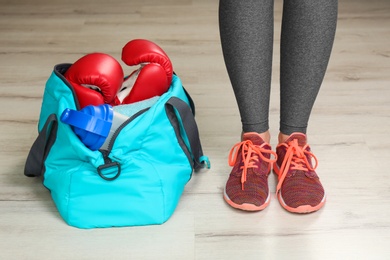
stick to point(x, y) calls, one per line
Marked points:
point(299, 188)
point(248, 180)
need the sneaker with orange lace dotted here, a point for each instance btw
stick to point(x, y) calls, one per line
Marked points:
point(247, 186)
point(299, 189)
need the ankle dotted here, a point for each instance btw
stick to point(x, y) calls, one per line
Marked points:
point(282, 137)
point(266, 136)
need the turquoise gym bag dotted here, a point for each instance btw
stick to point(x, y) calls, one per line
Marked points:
point(138, 179)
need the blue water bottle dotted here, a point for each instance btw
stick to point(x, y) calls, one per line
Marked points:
point(94, 125)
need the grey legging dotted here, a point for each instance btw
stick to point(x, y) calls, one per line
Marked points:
point(246, 30)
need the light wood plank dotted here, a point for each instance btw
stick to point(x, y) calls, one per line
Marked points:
point(348, 132)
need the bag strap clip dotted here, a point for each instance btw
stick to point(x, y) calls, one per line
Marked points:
point(106, 166)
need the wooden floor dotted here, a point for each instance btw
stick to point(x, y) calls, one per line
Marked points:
point(349, 133)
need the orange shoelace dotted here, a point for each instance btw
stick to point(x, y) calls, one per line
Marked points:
point(296, 157)
point(250, 154)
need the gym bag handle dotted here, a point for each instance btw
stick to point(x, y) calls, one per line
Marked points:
point(191, 129)
point(40, 149)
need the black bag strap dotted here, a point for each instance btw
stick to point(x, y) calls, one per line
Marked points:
point(191, 129)
point(35, 162)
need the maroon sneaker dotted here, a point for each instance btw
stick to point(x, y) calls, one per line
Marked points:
point(299, 189)
point(247, 186)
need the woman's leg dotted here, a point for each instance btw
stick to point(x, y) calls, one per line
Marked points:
point(246, 30)
point(308, 30)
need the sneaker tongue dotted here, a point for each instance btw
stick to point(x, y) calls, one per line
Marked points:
point(254, 137)
point(299, 136)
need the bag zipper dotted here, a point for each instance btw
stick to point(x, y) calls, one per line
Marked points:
point(123, 125)
point(108, 163)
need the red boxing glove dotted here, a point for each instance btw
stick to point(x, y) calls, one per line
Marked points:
point(152, 79)
point(96, 78)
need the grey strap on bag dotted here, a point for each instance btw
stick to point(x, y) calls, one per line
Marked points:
point(191, 129)
point(35, 162)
